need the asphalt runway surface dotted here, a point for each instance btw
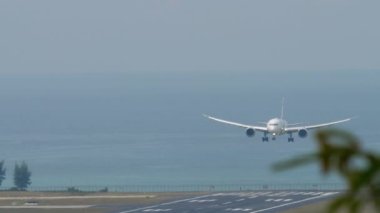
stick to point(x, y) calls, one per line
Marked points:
point(238, 202)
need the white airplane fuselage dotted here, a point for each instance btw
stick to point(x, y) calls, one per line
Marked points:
point(276, 126)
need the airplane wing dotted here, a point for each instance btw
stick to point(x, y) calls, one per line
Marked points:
point(296, 129)
point(258, 128)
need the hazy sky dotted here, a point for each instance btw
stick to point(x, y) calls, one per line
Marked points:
point(69, 91)
point(159, 36)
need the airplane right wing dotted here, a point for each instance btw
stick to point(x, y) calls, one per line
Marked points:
point(296, 129)
point(258, 128)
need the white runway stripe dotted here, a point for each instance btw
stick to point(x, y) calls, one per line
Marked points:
point(295, 202)
point(163, 204)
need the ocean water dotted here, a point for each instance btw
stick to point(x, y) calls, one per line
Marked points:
point(147, 129)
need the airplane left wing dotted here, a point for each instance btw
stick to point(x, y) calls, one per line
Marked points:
point(258, 128)
point(296, 129)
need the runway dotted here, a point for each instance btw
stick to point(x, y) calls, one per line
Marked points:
point(239, 202)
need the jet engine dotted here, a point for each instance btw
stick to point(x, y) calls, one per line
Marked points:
point(302, 133)
point(250, 132)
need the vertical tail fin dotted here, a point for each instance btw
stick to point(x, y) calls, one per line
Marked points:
point(282, 108)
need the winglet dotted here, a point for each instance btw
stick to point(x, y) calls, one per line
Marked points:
point(354, 117)
point(206, 116)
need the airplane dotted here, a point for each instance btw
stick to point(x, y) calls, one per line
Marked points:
point(277, 126)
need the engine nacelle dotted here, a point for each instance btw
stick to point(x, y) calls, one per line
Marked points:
point(302, 133)
point(250, 132)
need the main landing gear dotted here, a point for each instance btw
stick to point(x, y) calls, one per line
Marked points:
point(290, 139)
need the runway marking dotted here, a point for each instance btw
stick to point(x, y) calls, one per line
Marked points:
point(299, 193)
point(278, 200)
point(286, 194)
point(314, 193)
point(238, 209)
point(202, 201)
point(47, 207)
point(295, 202)
point(163, 204)
point(279, 194)
point(77, 197)
point(203, 198)
point(266, 193)
point(157, 210)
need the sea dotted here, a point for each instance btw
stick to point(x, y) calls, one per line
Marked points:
point(129, 128)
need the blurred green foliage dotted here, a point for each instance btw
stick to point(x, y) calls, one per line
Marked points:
point(340, 152)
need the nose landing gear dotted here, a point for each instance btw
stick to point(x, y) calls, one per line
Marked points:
point(265, 138)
